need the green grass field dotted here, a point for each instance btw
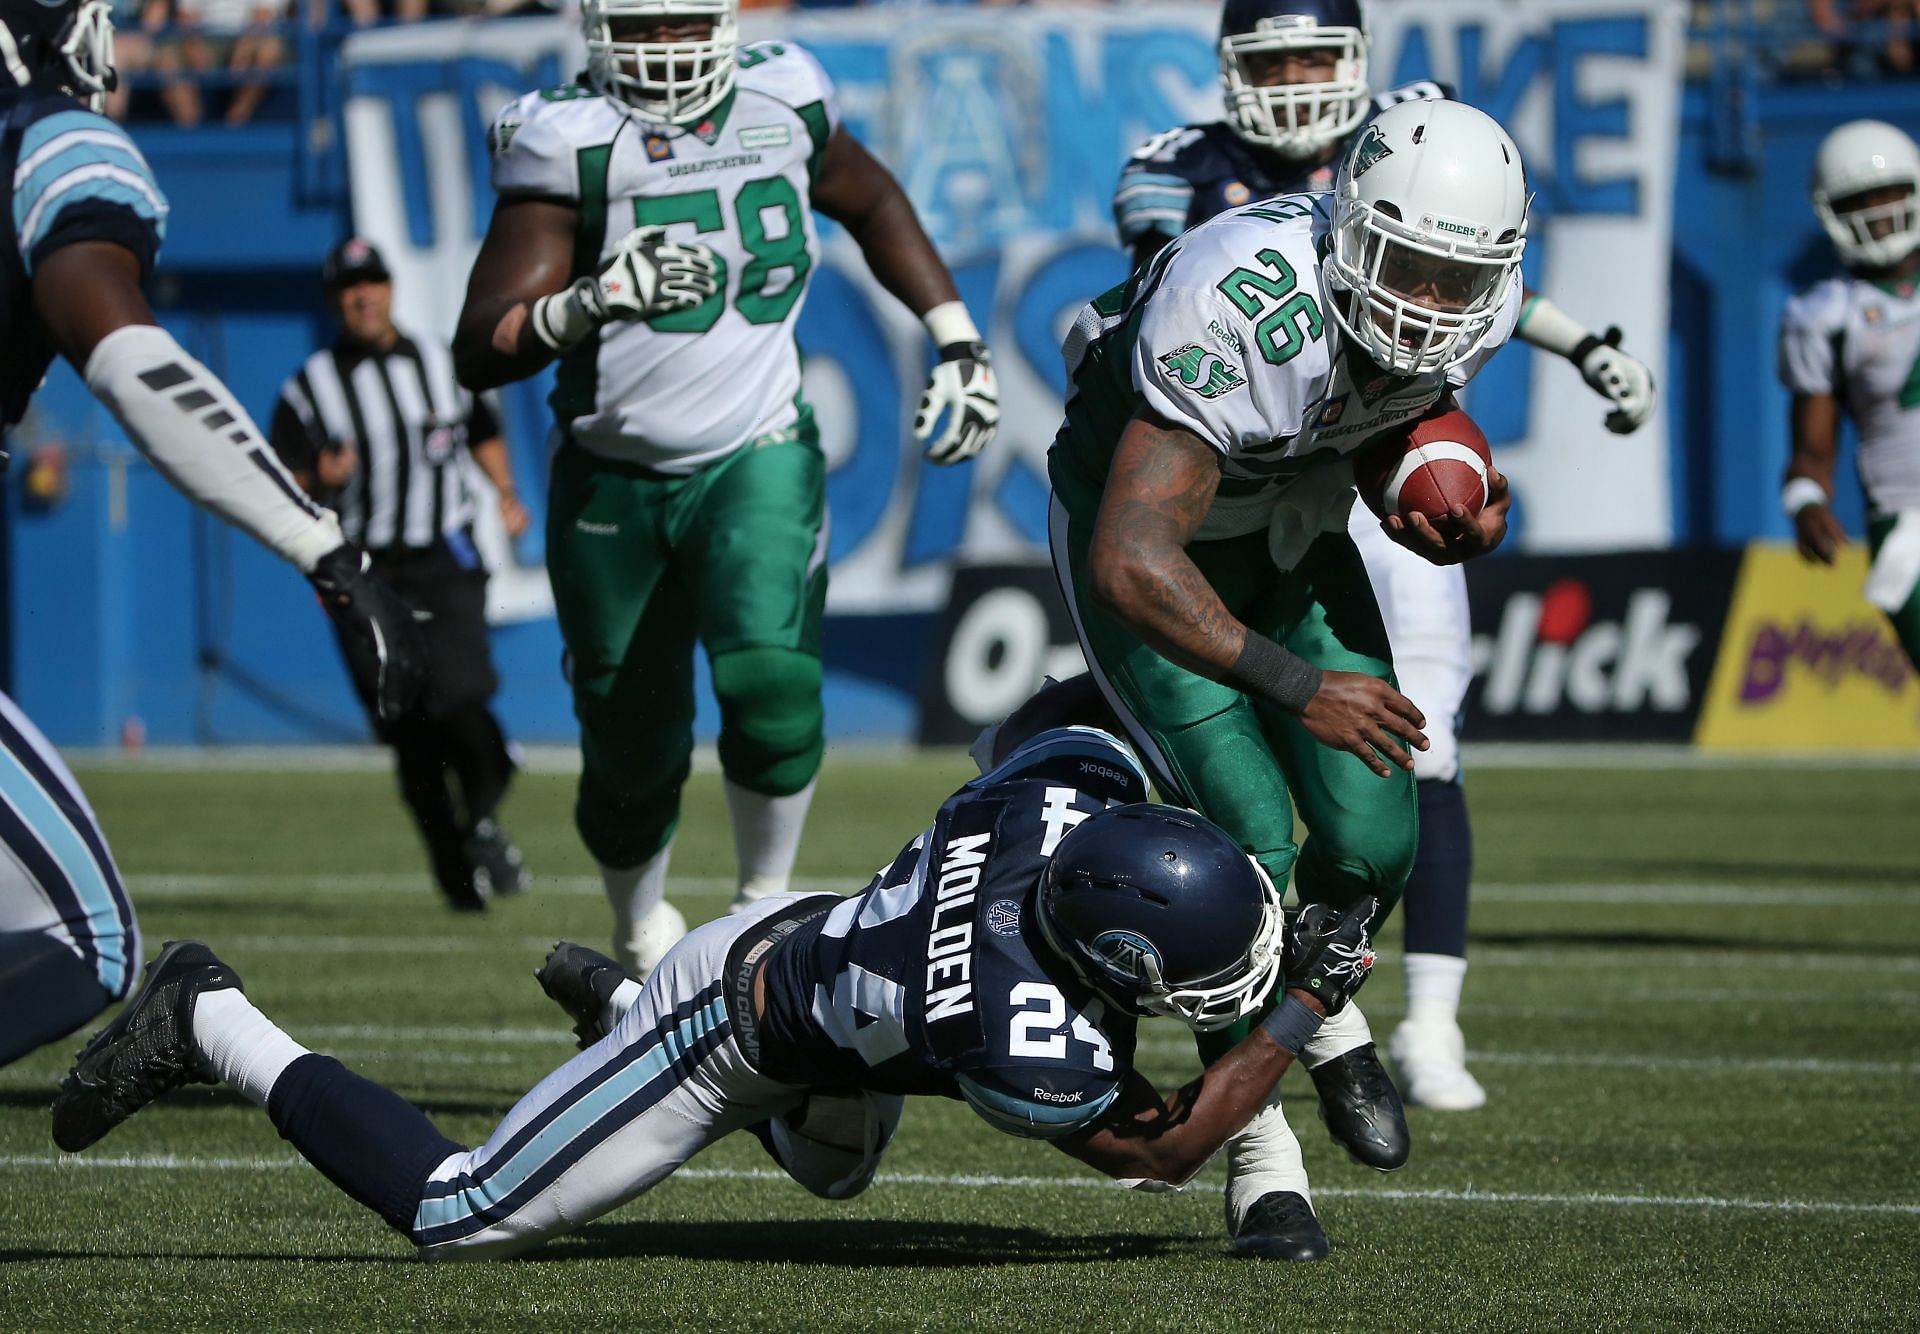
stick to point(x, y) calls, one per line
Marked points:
point(1695, 1002)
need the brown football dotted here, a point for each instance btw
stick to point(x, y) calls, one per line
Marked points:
point(1437, 462)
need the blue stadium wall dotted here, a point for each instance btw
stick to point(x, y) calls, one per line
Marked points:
point(128, 605)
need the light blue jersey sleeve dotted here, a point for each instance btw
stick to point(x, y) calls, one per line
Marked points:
point(78, 177)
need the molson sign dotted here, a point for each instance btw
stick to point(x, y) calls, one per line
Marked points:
point(1805, 661)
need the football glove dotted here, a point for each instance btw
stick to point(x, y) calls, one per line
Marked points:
point(380, 634)
point(1622, 380)
point(1328, 955)
point(962, 394)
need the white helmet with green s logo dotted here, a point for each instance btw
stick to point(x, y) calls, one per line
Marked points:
point(1866, 193)
point(673, 61)
point(1429, 223)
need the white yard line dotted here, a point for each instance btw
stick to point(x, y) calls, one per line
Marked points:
point(169, 1162)
point(1893, 897)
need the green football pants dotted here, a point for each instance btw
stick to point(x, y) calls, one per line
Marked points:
point(643, 564)
point(1242, 764)
point(1906, 621)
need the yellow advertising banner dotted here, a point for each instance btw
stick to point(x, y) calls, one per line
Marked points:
point(1807, 663)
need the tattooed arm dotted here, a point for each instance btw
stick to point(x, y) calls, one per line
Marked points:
point(1159, 491)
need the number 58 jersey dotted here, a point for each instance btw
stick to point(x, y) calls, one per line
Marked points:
point(679, 391)
point(936, 979)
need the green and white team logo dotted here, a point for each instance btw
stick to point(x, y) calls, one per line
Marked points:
point(1373, 147)
point(1205, 373)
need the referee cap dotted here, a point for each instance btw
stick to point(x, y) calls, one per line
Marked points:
point(354, 261)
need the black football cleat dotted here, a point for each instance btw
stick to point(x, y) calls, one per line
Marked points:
point(147, 1050)
point(1281, 1226)
point(498, 867)
point(581, 982)
point(1362, 1109)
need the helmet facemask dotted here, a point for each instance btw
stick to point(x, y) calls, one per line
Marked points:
point(1873, 227)
point(1131, 978)
point(1417, 296)
point(669, 81)
point(1294, 120)
point(87, 48)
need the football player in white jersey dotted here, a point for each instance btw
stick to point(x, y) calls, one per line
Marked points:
point(1201, 494)
point(655, 233)
point(1294, 77)
point(1852, 344)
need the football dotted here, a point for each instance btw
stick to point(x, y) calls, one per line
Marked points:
point(1438, 462)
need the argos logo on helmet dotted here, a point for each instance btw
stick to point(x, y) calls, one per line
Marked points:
point(1127, 955)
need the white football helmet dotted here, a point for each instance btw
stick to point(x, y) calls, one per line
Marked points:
point(1429, 222)
point(1859, 156)
point(672, 83)
point(1295, 120)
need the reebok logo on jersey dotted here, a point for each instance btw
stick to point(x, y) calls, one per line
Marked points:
point(1372, 147)
point(1206, 373)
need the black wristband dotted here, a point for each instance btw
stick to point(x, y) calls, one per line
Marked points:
point(1292, 1024)
point(1584, 349)
point(965, 352)
point(1267, 671)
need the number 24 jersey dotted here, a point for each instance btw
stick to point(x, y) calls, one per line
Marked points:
point(936, 979)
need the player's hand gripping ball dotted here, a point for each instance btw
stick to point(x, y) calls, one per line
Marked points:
point(1435, 487)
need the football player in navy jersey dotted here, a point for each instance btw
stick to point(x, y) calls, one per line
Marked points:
point(1294, 75)
point(86, 223)
point(1002, 959)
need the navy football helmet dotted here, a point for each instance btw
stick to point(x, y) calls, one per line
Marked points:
point(1161, 912)
point(66, 44)
point(1295, 120)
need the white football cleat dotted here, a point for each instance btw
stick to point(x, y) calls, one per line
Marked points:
point(1431, 1056)
point(657, 933)
point(756, 888)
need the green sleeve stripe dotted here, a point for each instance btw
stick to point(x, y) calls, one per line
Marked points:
point(578, 382)
point(815, 116)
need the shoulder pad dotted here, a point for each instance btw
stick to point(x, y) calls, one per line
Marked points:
point(1419, 90)
point(1090, 759)
point(72, 160)
point(1038, 1103)
point(785, 71)
point(1820, 310)
point(535, 141)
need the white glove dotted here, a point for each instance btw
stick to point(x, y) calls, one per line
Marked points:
point(645, 276)
point(963, 391)
point(1617, 377)
point(648, 275)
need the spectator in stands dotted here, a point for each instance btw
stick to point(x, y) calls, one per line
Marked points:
point(235, 35)
point(363, 13)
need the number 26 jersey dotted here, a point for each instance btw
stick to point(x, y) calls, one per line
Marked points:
point(684, 389)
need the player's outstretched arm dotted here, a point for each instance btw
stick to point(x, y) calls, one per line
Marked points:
point(1146, 1136)
point(194, 431)
point(1623, 380)
point(1159, 491)
point(88, 297)
point(960, 410)
point(1814, 420)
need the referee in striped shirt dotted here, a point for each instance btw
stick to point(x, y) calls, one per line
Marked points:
point(376, 426)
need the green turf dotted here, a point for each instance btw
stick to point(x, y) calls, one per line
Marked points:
point(1696, 1005)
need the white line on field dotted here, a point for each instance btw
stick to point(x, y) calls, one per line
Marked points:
point(169, 1162)
point(1680, 894)
point(1636, 1061)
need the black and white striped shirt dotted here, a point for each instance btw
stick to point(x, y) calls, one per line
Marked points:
point(411, 424)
